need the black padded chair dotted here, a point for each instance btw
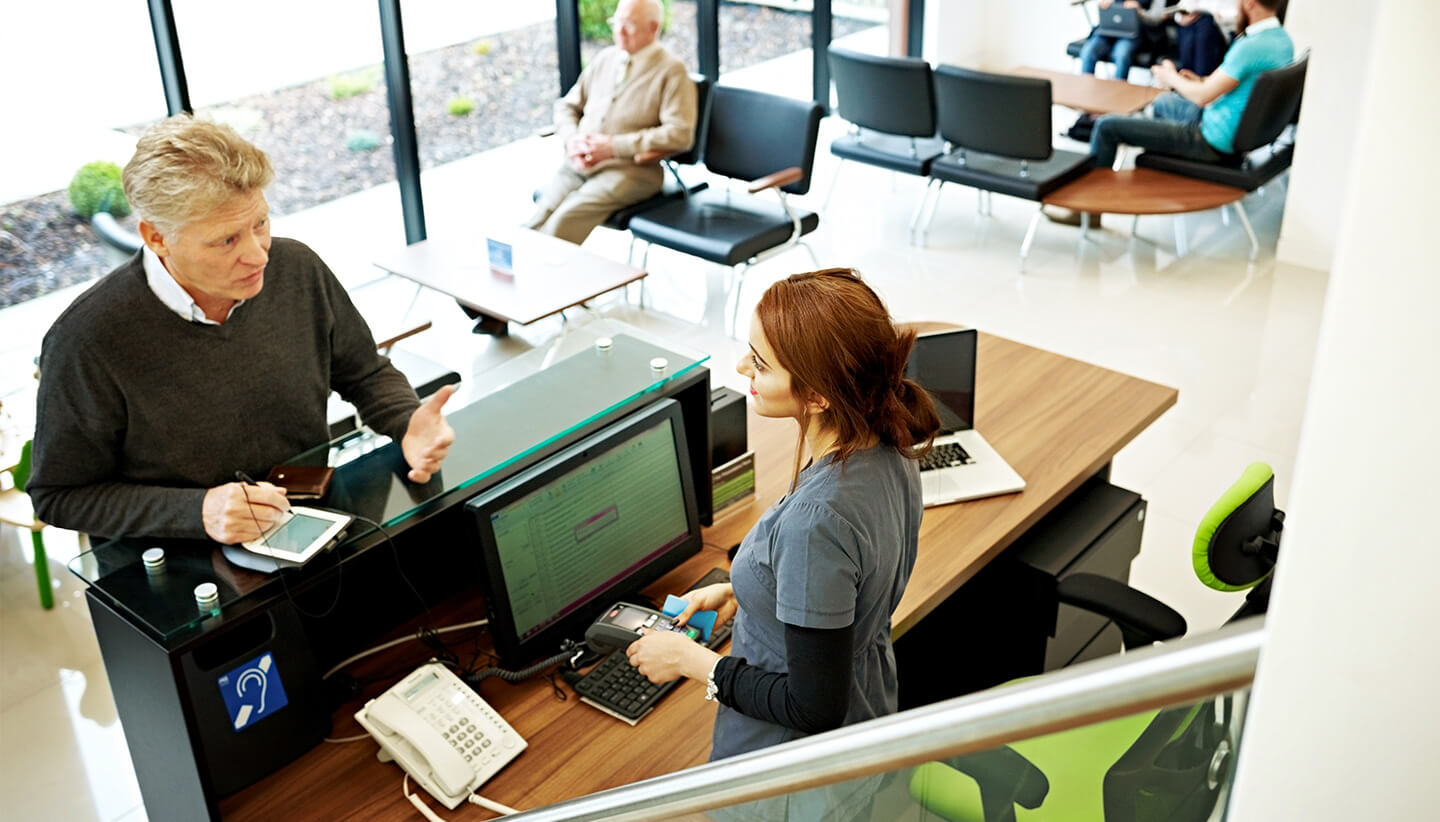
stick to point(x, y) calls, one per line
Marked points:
point(999, 128)
point(1262, 147)
point(768, 143)
point(890, 105)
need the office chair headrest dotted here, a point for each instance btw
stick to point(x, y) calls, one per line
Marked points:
point(1238, 541)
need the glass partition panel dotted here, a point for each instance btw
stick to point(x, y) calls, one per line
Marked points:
point(536, 399)
point(1174, 764)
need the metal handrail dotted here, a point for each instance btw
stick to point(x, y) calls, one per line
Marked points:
point(1159, 676)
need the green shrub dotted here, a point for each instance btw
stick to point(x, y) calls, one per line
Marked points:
point(460, 106)
point(361, 140)
point(352, 83)
point(96, 187)
point(594, 13)
point(483, 47)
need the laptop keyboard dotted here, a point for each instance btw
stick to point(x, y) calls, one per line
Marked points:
point(945, 456)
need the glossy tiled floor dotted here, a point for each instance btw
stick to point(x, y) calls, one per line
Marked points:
point(1237, 340)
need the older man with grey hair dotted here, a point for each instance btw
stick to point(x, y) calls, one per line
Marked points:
point(209, 354)
point(633, 103)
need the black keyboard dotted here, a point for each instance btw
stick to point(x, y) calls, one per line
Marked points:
point(945, 456)
point(620, 690)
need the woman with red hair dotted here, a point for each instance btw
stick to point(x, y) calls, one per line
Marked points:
point(816, 580)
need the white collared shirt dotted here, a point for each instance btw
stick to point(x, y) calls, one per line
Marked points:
point(1267, 23)
point(170, 292)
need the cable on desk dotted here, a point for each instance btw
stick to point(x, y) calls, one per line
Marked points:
point(344, 739)
point(474, 799)
point(568, 651)
point(395, 552)
point(245, 481)
point(418, 636)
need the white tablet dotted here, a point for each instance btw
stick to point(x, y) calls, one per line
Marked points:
point(300, 534)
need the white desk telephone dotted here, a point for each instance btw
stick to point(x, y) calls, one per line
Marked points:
point(441, 732)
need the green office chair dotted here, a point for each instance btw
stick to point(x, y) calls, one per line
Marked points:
point(1154, 765)
point(15, 509)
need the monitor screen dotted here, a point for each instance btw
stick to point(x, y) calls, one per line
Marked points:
point(567, 537)
point(944, 365)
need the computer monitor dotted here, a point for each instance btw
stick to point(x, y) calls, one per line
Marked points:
point(567, 537)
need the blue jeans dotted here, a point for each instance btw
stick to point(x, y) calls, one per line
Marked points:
point(1201, 46)
point(1175, 129)
point(1118, 51)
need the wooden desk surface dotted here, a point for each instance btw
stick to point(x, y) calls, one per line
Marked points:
point(1090, 94)
point(1056, 420)
point(550, 274)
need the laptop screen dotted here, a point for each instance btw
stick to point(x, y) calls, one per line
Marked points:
point(944, 365)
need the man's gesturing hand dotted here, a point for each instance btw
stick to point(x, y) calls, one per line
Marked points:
point(428, 437)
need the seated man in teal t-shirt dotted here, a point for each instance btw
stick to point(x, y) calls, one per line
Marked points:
point(1198, 118)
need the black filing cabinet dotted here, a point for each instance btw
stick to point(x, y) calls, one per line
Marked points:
point(1006, 621)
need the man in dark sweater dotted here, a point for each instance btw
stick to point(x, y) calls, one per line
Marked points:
point(212, 351)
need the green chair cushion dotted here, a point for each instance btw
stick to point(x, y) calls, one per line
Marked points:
point(1075, 762)
point(1254, 478)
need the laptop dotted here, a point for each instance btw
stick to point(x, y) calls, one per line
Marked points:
point(962, 465)
point(1119, 22)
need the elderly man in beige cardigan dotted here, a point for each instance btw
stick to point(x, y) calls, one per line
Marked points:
point(634, 98)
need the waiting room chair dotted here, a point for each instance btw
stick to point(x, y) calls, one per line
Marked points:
point(16, 510)
point(999, 129)
point(766, 142)
point(1260, 154)
point(890, 105)
point(1166, 764)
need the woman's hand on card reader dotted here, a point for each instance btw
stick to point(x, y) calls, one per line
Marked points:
point(719, 598)
point(235, 512)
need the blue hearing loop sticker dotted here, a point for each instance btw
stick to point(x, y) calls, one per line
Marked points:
point(252, 692)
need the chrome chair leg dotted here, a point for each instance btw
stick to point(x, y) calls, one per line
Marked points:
point(735, 312)
point(934, 207)
point(919, 209)
point(1249, 231)
point(815, 261)
point(1030, 237)
point(645, 258)
point(630, 254)
point(1225, 215)
point(1181, 238)
point(834, 180)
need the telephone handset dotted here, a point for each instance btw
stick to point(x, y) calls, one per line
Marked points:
point(441, 732)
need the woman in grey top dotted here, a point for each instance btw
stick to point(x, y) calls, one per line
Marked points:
point(815, 582)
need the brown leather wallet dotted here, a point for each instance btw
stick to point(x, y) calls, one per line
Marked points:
point(301, 481)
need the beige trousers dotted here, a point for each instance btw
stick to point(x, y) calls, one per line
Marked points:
point(572, 204)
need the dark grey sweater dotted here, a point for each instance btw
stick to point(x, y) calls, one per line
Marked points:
point(141, 411)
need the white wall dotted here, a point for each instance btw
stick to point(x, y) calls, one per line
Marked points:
point(1344, 715)
point(1338, 33)
point(994, 36)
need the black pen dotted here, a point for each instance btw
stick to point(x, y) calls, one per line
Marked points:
point(245, 478)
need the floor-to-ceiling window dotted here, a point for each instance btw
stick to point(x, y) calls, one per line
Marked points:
point(481, 74)
point(66, 103)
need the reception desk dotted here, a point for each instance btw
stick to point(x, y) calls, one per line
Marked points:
point(1058, 421)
